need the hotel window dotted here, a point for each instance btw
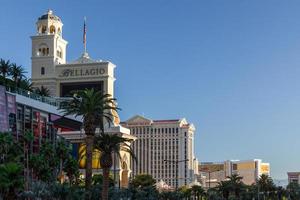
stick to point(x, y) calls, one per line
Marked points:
point(59, 31)
point(44, 28)
point(52, 29)
point(44, 51)
point(173, 130)
point(59, 53)
point(42, 70)
point(176, 130)
point(234, 166)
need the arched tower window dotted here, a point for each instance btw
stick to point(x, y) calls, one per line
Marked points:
point(59, 52)
point(59, 31)
point(42, 70)
point(44, 29)
point(43, 50)
point(52, 29)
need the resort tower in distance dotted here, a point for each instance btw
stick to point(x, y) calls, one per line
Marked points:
point(164, 149)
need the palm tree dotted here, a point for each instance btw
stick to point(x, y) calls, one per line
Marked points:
point(26, 84)
point(109, 144)
point(265, 184)
point(198, 191)
point(236, 184)
point(186, 192)
point(17, 73)
point(94, 107)
point(5, 68)
point(224, 188)
point(43, 91)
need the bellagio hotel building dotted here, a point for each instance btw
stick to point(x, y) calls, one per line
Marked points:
point(162, 148)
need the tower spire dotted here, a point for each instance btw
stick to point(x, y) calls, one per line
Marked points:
point(84, 35)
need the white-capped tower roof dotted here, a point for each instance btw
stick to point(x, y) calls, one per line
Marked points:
point(49, 23)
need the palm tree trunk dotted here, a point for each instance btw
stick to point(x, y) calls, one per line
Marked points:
point(105, 183)
point(89, 159)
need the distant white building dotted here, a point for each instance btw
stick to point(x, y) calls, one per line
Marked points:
point(214, 172)
point(164, 149)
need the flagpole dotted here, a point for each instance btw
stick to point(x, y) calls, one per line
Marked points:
point(84, 35)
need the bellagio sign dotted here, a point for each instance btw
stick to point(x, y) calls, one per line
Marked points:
point(79, 72)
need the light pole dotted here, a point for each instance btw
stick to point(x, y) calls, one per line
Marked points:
point(207, 170)
point(176, 173)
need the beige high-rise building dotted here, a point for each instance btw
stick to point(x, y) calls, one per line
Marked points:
point(164, 149)
point(212, 173)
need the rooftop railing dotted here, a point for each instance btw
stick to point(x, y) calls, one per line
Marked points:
point(53, 101)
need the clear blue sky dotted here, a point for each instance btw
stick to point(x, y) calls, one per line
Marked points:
point(230, 67)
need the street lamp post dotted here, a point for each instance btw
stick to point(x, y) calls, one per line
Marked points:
point(207, 170)
point(176, 173)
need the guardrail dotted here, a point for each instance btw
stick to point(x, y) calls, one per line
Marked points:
point(54, 101)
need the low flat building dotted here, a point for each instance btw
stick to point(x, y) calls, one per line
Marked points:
point(22, 111)
point(293, 177)
point(211, 173)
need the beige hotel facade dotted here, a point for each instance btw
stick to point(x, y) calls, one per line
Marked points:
point(50, 69)
point(158, 147)
point(211, 173)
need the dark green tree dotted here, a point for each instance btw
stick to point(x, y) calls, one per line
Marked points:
point(197, 192)
point(109, 144)
point(42, 91)
point(5, 68)
point(17, 74)
point(293, 191)
point(236, 185)
point(26, 84)
point(10, 150)
point(72, 170)
point(266, 186)
point(186, 192)
point(143, 180)
point(224, 189)
point(45, 169)
point(11, 180)
point(94, 107)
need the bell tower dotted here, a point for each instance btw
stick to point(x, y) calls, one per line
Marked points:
point(48, 50)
